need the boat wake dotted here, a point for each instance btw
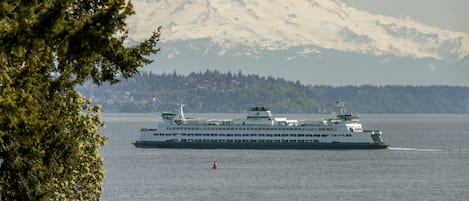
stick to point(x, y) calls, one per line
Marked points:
point(461, 150)
point(414, 149)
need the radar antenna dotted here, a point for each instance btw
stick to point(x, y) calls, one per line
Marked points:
point(181, 110)
point(340, 107)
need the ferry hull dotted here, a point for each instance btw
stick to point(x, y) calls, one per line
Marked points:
point(202, 145)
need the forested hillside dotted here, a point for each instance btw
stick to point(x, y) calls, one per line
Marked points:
point(398, 99)
point(212, 91)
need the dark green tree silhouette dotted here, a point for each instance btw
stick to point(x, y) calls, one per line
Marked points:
point(49, 139)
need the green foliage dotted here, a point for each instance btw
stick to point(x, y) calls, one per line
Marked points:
point(210, 91)
point(49, 138)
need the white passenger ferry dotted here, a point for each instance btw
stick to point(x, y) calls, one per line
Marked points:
point(261, 130)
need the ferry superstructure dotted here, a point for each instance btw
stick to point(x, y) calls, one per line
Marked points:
point(260, 130)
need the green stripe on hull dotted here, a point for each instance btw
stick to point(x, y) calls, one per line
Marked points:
point(218, 145)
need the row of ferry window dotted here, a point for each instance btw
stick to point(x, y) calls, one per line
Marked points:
point(251, 128)
point(250, 141)
point(254, 135)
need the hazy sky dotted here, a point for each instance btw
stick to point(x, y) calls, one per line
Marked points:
point(447, 14)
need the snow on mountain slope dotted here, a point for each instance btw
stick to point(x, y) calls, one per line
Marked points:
point(278, 25)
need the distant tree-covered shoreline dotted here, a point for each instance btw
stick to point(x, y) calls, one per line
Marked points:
point(399, 99)
point(213, 91)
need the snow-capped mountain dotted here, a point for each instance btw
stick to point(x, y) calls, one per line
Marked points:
point(251, 31)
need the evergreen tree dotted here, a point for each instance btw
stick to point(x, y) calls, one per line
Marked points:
point(49, 136)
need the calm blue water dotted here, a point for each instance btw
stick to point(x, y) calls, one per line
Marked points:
point(428, 160)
